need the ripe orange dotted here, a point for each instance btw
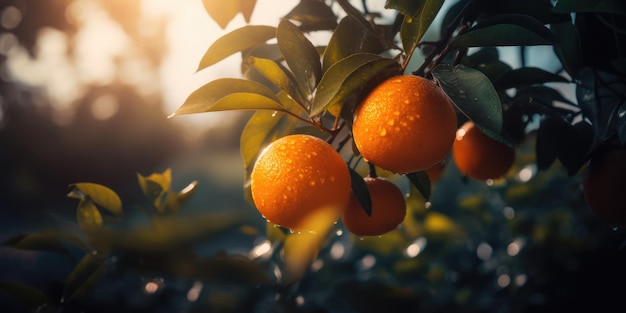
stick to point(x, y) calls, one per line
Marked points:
point(603, 185)
point(479, 156)
point(405, 124)
point(295, 177)
point(388, 209)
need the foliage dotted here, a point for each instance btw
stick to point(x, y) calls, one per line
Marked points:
point(471, 251)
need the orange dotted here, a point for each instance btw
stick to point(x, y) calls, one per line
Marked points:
point(479, 156)
point(388, 209)
point(604, 179)
point(295, 177)
point(405, 124)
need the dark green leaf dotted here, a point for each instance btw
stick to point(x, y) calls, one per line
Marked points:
point(416, 21)
point(487, 61)
point(473, 94)
point(346, 76)
point(88, 217)
point(527, 76)
point(349, 38)
point(505, 30)
point(32, 296)
point(619, 65)
point(621, 124)
point(605, 6)
point(313, 16)
point(450, 16)
point(569, 49)
point(361, 192)
point(101, 195)
point(279, 77)
point(557, 139)
point(301, 56)
point(238, 40)
point(543, 97)
point(84, 276)
point(421, 181)
point(37, 242)
point(214, 96)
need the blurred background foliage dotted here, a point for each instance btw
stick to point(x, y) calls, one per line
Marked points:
point(80, 105)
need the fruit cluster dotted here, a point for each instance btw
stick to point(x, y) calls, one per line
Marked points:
point(405, 124)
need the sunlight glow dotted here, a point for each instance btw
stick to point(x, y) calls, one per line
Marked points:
point(504, 280)
point(262, 249)
point(484, 251)
point(194, 292)
point(337, 250)
point(416, 247)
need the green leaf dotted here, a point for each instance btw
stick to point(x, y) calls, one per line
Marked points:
point(101, 195)
point(37, 242)
point(155, 186)
point(277, 75)
point(346, 76)
point(604, 6)
point(473, 94)
point(238, 40)
point(487, 61)
point(83, 277)
point(313, 16)
point(421, 181)
point(361, 192)
point(174, 201)
point(505, 30)
point(545, 97)
point(88, 217)
point(557, 139)
point(416, 21)
point(301, 56)
point(229, 94)
point(569, 49)
point(527, 76)
point(32, 296)
point(349, 38)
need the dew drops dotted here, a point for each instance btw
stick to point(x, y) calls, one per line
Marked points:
point(383, 132)
point(411, 118)
point(289, 161)
point(312, 183)
point(391, 122)
point(332, 178)
point(396, 113)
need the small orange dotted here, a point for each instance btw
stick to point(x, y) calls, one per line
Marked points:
point(388, 209)
point(479, 156)
point(405, 124)
point(296, 176)
point(604, 179)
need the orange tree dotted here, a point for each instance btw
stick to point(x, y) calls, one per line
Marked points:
point(463, 244)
